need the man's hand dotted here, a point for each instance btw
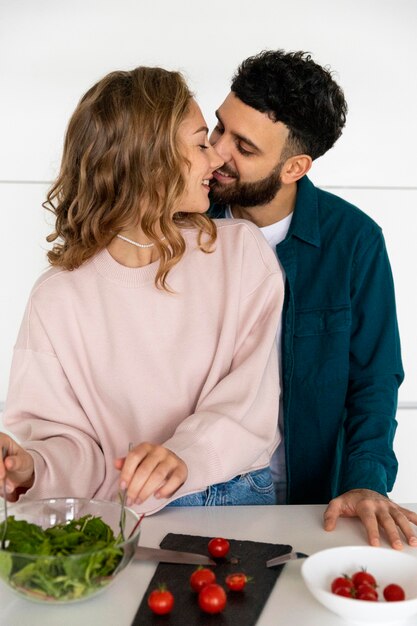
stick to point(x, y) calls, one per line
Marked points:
point(375, 511)
point(150, 470)
point(17, 469)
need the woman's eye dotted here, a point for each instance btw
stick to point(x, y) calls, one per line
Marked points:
point(203, 146)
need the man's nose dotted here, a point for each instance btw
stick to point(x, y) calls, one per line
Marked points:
point(216, 160)
point(222, 147)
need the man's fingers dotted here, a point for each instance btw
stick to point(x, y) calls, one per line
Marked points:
point(330, 516)
point(384, 515)
point(388, 522)
point(369, 520)
point(377, 513)
point(401, 522)
point(409, 515)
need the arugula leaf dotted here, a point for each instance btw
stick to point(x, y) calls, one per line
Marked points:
point(65, 562)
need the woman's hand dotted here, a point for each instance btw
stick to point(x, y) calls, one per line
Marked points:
point(149, 470)
point(17, 469)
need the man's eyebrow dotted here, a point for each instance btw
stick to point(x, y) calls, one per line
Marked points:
point(246, 140)
point(201, 129)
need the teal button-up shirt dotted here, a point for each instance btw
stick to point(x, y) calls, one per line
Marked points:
point(341, 359)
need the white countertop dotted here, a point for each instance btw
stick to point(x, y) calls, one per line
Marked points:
point(290, 603)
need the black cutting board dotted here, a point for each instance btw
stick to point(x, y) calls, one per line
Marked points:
point(242, 608)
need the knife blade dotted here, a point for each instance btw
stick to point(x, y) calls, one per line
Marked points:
point(171, 556)
point(290, 556)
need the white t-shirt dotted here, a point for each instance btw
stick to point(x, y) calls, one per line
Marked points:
point(274, 234)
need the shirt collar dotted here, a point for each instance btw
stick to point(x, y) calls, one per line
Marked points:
point(305, 222)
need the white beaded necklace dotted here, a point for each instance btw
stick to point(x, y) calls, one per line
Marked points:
point(135, 243)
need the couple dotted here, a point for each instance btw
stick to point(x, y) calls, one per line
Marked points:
point(156, 325)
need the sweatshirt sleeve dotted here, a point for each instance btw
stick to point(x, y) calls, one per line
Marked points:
point(234, 426)
point(41, 409)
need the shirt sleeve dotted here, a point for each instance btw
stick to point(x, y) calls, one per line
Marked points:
point(375, 374)
point(42, 409)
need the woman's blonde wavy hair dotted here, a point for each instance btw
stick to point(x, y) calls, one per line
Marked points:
point(122, 165)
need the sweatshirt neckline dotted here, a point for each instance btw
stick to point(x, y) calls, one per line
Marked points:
point(109, 268)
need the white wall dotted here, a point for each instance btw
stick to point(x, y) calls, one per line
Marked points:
point(51, 51)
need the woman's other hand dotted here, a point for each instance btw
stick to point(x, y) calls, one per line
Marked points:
point(148, 470)
point(17, 469)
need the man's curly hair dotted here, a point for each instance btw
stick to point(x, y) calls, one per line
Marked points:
point(291, 88)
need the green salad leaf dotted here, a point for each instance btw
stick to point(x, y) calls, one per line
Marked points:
point(64, 562)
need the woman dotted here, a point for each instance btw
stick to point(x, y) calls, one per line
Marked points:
point(154, 327)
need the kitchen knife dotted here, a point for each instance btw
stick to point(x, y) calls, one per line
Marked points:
point(171, 556)
point(290, 556)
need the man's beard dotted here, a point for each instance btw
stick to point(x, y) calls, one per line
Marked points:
point(247, 195)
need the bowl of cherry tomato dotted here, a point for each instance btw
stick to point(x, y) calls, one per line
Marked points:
point(364, 584)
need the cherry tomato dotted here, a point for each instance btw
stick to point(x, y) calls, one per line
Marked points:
point(161, 601)
point(218, 547)
point(341, 581)
point(366, 592)
point(394, 593)
point(212, 598)
point(347, 592)
point(202, 577)
point(236, 582)
point(368, 595)
point(363, 577)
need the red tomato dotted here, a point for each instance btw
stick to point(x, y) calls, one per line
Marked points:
point(366, 592)
point(161, 601)
point(212, 598)
point(218, 547)
point(347, 592)
point(202, 577)
point(341, 581)
point(236, 582)
point(368, 595)
point(394, 593)
point(363, 577)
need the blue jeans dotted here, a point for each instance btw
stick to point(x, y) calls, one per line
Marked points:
point(252, 488)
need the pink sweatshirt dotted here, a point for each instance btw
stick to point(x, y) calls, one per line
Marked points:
point(104, 358)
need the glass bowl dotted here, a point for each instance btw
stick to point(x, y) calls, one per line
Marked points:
point(68, 576)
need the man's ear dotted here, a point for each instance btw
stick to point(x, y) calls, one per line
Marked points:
point(295, 167)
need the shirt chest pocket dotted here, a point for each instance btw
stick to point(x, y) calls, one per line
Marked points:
point(321, 348)
point(322, 321)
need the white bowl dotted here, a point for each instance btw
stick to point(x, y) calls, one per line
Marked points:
point(387, 565)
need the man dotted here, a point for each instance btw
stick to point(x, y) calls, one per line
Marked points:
point(339, 347)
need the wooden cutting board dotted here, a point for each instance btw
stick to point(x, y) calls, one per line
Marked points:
point(242, 608)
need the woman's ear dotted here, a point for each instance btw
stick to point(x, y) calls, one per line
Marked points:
point(295, 167)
